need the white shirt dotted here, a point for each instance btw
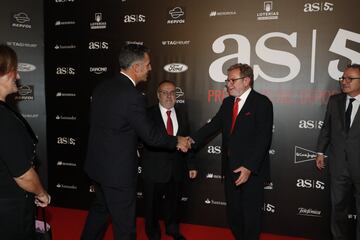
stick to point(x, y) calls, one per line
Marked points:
point(172, 115)
point(243, 98)
point(355, 108)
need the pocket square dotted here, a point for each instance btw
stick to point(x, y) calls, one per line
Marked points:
point(247, 113)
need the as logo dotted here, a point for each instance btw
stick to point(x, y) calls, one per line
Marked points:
point(318, 6)
point(310, 124)
point(66, 141)
point(134, 18)
point(309, 183)
point(98, 45)
point(65, 71)
point(214, 149)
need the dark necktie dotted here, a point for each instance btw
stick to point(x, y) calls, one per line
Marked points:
point(348, 114)
point(169, 125)
point(234, 113)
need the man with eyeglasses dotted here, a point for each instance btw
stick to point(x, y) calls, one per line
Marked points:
point(341, 134)
point(164, 170)
point(245, 120)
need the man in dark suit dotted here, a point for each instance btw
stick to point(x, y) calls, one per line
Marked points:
point(118, 119)
point(163, 170)
point(341, 133)
point(245, 119)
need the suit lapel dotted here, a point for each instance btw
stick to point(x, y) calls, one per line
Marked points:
point(356, 123)
point(179, 120)
point(341, 106)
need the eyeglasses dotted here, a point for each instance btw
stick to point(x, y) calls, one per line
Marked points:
point(348, 79)
point(166, 93)
point(227, 81)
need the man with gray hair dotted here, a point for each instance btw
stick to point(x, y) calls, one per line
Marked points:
point(118, 118)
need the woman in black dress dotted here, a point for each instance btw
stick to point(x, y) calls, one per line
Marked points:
point(20, 186)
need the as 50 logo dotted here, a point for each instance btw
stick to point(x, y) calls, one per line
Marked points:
point(309, 183)
point(98, 45)
point(66, 141)
point(319, 6)
point(339, 46)
point(65, 71)
point(134, 18)
point(310, 124)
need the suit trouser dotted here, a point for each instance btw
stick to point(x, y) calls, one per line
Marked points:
point(17, 220)
point(343, 189)
point(119, 203)
point(154, 204)
point(244, 206)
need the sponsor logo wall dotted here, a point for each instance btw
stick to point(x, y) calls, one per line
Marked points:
point(21, 26)
point(297, 57)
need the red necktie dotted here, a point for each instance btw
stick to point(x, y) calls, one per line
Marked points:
point(169, 125)
point(234, 113)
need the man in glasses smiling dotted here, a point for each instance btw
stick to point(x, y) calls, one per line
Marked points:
point(341, 133)
point(245, 119)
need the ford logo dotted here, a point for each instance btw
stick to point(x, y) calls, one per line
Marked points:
point(175, 67)
point(25, 67)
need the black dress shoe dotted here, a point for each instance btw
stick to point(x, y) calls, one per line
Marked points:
point(177, 236)
point(154, 238)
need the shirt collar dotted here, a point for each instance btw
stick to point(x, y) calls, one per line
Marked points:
point(163, 110)
point(357, 98)
point(129, 78)
point(244, 96)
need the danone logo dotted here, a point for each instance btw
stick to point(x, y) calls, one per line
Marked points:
point(175, 68)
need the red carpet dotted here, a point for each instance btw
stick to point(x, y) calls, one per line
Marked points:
point(67, 224)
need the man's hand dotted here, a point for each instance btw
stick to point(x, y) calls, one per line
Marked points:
point(244, 175)
point(43, 199)
point(320, 161)
point(192, 174)
point(183, 143)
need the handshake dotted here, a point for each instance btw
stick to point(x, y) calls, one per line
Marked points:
point(184, 143)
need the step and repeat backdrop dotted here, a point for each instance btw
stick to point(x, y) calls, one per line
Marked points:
point(297, 49)
point(22, 28)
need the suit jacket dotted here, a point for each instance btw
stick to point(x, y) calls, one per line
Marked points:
point(118, 118)
point(248, 145)
point(160, 164)
point(344, 148)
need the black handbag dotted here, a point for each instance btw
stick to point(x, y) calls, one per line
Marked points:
point(42, 228)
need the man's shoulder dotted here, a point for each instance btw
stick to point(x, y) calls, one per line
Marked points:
point(259, 96)
point(337, 96)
